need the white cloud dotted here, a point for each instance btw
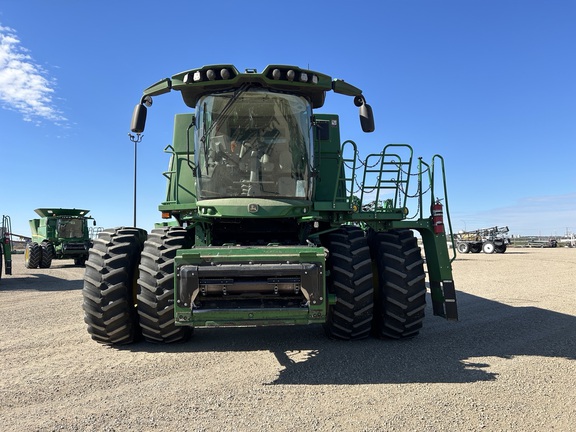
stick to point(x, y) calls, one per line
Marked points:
point(25, 86)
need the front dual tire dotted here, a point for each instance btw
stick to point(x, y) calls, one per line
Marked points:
point(379, 282)
point(156, 286)
point(128, 287)
point(350, 280)
point(401, 284)
point(32, 255)
point(110, 285)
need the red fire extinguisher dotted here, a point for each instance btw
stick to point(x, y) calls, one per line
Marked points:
point(437, 217)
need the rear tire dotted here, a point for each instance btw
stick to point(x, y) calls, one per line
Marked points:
point(110, 286)
point(501, 249)
point(401, 292)
point(475, 248)
point(48, 253)
point(156, 286)
point(32, 255)
point(350, 279)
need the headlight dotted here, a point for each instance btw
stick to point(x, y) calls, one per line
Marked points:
point(225, 74)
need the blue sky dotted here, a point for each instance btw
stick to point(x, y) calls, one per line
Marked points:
point(488, 84)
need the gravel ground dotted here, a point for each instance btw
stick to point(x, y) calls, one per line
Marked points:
point(507, 365)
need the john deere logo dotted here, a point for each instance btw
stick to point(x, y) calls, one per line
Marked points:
point(252, 208)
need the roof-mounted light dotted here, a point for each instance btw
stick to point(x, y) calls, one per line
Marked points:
point(216, 74)
point(293, 75)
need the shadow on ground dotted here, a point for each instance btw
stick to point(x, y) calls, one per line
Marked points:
point(38, 281)
point(443, 352)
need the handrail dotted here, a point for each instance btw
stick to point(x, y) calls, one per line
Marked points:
point(342, 171)
point(447, 208)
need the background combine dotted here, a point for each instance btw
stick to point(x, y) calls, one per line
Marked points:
point(58, 234)
point(273, 220)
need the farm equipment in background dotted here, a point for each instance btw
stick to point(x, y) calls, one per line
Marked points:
point(487, 240)
point(273, 221)
point(5, 246)
point(542, 242)
point(58, 234)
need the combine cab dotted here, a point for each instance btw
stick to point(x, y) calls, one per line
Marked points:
point(274, 220)
point(58, 234)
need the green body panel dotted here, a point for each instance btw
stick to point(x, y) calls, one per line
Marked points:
point(254, 208)
point(181, 187)
point(328, 157)
point(275, 262)
point(66, 229)
point(5, 246)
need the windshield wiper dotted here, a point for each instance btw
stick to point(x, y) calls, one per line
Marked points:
point(242, 89)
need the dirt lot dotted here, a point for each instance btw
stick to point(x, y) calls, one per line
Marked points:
point(508, 364)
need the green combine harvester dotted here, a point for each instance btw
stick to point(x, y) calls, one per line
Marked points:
point(273, 220)
point(58, 234)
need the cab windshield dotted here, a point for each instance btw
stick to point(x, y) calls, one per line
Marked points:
point(70, 228)
point(253, 144)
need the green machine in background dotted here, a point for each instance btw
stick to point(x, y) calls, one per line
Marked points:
point(5, 246)
point(58, 234)
point(273, 220)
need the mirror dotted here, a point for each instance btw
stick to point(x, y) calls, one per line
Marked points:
point(138, 119)
point(367, 118)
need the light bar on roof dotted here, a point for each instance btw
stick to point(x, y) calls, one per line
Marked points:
point(209, 74)
point(289, 74)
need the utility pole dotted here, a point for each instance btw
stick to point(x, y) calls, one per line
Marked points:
point(135, 139)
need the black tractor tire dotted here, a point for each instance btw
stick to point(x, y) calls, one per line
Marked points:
point(401, 290)
point(463, 247)
point(80, 261)
point(48, 254)
point(109, 289)
point(475, 248)
point(501, 248)
point(156, 286)
point(32, 255)
point(350, 279)
point(488, 247)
